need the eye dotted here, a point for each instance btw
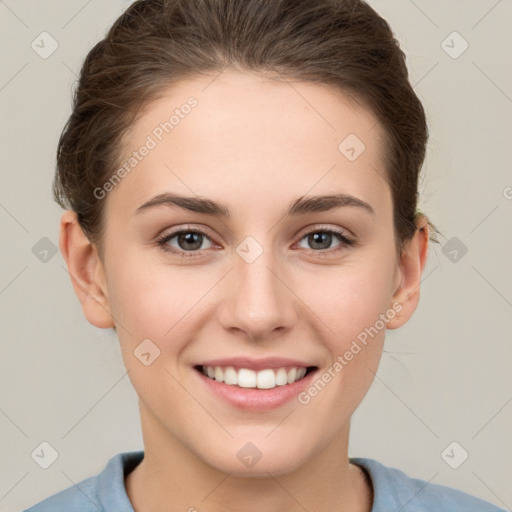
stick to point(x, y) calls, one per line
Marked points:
point(187, 241)
point(320, 240)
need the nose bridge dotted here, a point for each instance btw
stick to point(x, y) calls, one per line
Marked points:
point(258, 301)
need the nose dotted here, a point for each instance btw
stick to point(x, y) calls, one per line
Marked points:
point(258, 301)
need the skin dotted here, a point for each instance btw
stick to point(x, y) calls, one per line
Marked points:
point(256, 145)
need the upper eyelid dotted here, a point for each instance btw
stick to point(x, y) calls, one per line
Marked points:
point(186, 229)
point(340, 231)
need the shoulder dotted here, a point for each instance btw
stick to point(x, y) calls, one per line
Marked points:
point(394, 490)
point(103, 492)
point(80, 497)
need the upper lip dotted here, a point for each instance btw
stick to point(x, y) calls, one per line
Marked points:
point(256, 364)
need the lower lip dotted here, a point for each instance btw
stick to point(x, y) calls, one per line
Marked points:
point(256, 399)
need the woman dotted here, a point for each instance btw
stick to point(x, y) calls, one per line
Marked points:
point(240, 179)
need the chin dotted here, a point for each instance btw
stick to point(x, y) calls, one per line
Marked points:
point(247, 460)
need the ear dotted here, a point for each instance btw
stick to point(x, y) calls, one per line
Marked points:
point(86, 271)
point(411, 265)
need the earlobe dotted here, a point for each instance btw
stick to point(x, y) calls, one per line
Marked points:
point(412, 263)
point(86, 271)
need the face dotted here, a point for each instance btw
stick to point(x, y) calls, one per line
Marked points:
point(271, 277)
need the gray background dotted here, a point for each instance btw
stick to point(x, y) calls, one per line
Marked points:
point(445, 376)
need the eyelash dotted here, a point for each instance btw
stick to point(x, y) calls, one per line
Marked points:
point(345, 242)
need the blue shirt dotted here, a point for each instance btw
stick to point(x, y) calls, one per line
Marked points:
point(393, 491)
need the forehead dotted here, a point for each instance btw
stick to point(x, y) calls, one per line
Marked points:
point(243, 135)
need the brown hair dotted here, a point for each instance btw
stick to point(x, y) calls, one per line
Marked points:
point(155, 43)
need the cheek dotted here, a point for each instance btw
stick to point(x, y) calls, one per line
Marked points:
point(354, 303)
point(349, 299)
point(161, 304)
point(354, 339)
point(156, 301)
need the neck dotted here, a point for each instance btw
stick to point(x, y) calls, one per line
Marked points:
point(172, 477)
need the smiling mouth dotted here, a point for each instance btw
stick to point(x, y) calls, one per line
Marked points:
point(264, 379)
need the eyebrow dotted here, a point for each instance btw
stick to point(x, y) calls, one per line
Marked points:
point(300, 206)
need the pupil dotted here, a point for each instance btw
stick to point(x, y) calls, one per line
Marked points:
point(190, 238)
point(316, 238)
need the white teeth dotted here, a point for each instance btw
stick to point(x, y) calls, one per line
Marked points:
point(281, 377)
point(219, 374)
point(246, 378)
point(266, 379)
point(229, 376)
point(292, 373)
